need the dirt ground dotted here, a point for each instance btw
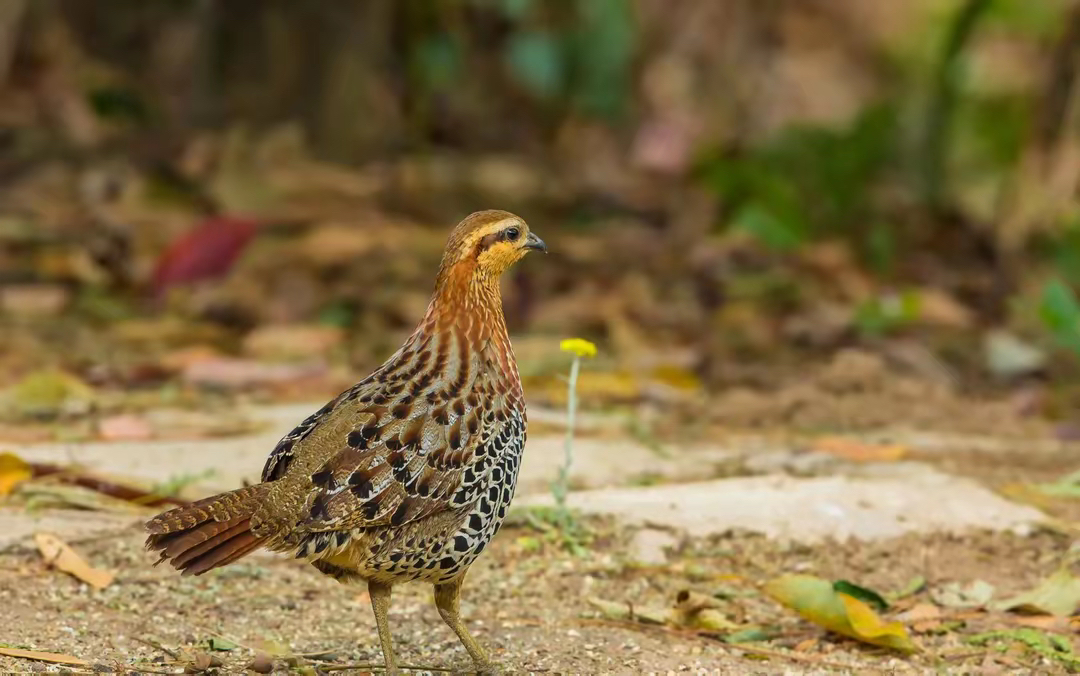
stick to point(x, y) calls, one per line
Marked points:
point(528, 606)
point(528, 599)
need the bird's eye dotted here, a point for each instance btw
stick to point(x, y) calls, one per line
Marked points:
point(512, 233)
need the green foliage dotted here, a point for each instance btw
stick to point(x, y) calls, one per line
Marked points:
point(174, 484)
point(578, 53)
point(604, 40)
point(808, 182)
point(538, 60)
point(1050, 646)
point(1064, 250)
point(887, 314)
point(1060, 314)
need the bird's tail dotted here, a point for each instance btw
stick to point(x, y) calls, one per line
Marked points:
point(207, 534)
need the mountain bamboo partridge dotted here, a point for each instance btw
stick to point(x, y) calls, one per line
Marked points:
point(407, 475)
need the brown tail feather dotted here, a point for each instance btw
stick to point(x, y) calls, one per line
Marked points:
point(209, 533)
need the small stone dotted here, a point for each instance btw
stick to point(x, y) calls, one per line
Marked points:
point(262, 664)
point(649, 546)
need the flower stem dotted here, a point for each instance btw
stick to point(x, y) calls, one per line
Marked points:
point(562, 484)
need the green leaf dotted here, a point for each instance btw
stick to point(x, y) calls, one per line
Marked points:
point(536, 60)
point(748, 636)
point(438, 60)
point(222, 644)
point(604, 44)
point(771, 231)
point(1060, 312)
point(862, 593)
point(817, 600)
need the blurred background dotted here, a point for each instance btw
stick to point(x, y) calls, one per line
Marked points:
point(814, 213)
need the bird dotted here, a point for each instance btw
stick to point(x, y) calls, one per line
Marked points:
point(407, 475)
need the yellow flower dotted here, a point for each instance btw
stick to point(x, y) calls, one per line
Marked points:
point(578, 346)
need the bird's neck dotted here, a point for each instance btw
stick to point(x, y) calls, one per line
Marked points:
point(468, 303)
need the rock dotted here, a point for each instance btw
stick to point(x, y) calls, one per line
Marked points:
point(1009, 357)
point(881, 502)
point(650, 546)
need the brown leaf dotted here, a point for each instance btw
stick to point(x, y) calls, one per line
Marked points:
point(125, 427)
point(292, 341)
point(923, 617)
point(859, 451)
point(55, 658)
point(59, 555)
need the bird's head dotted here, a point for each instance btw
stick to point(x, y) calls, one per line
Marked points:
point(485, 244)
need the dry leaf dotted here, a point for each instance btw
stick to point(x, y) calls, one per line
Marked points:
point(700, 611)
point(59, 555)
point(628, 612)
point(859, 451)
point(1057, 595)
point(13, 470)
point(55, 658)
point(974, 594)
point(923, 617)
point(125, 427)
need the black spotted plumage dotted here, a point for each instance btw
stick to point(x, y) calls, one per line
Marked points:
point(408, 474)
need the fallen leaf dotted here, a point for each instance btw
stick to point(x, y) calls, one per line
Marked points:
point(914, 586)
point(1057, 595)
point(125, 427)
point(201, 662)
point(55, 658)
point(865, 595)
point(817, 600)
point(628, 612)
point(59, 555)
point(805, 645)
point(701, 611)
point(974, 594)
point(232, 373)
point(49, 393)
point(859, 451)
point(13, 470)
point(34, 300)
point(1060, 625)
point(206, 252)
point(923, 617)
point(292, 341)
point(222, 644)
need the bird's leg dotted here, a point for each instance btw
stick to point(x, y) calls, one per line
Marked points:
point(380, 603)
point(447, 597)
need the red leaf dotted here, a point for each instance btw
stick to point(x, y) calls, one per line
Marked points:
point(206, 252)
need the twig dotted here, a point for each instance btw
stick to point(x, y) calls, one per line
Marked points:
point(154, 644)
point(112, 489)
point(230, 639)
point(370, 666)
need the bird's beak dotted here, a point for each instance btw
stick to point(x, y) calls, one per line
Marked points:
point(534, 243)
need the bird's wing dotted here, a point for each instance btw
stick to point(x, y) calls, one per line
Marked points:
point(406, 444)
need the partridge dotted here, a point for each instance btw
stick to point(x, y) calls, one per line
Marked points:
point(407, 475)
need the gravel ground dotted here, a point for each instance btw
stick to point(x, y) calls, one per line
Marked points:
point(526, 600)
